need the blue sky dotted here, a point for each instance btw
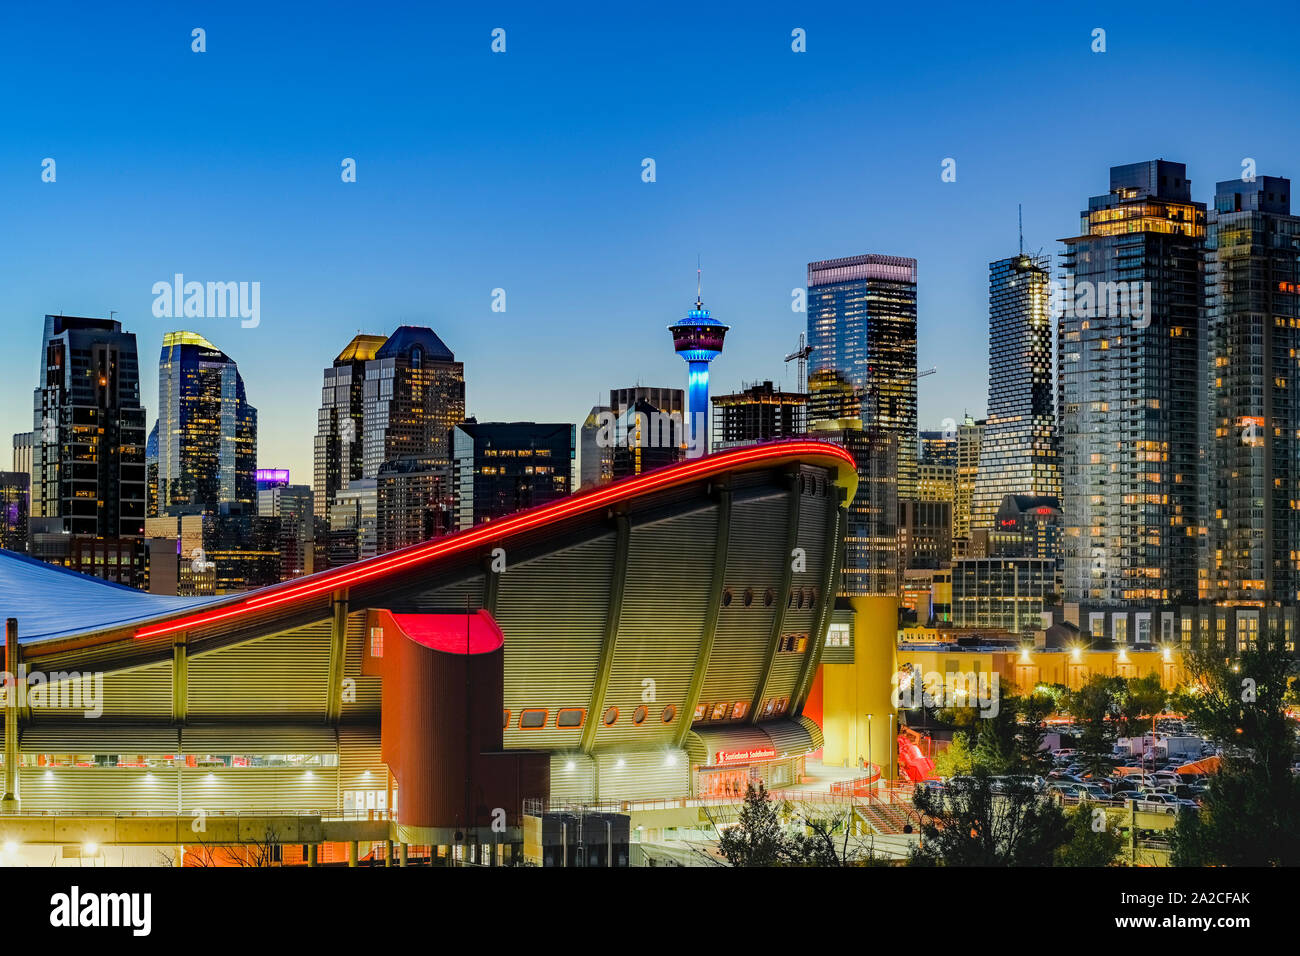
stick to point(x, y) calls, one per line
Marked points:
point(522, 171)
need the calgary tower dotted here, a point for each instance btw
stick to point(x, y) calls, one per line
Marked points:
point(698, 340)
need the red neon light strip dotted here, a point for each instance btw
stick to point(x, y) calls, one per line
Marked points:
point(523, 521)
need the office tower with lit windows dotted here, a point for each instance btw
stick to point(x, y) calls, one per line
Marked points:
point(15, 487)
point(292, 508)
point(1130, 352)
point(862, 329)
point(340, 421)
point(938, 447)
point(761, 412)
point(88, 476)
point(1253, 317)
point(414, 394)
point(669, 400)
point(596, 448)
point(504, 467)
point(23, 452)
point(646, 438)
point(353, 523)
point(413, 503)
point(207, 430)
point(970, 437)
point(1019, 453)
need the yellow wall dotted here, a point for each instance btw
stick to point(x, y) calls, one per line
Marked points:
point(851, 691)
point(1019, 672)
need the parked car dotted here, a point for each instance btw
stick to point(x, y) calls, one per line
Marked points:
point(1164, 803)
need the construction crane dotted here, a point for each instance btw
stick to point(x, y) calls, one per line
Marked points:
point(928, 371)
point(801, 356)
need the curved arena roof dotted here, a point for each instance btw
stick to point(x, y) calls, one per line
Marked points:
point(52, 603)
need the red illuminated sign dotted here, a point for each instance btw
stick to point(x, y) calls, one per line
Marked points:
point(737, 756)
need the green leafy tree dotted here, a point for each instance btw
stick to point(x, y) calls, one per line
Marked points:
point(967, 823)
point(1141, 699)
point(1093, 839)
point(758, 839)
point(956, 759)
point(1251, 815)
point(1094, 707)
point(995, 739)
point(1032, 755)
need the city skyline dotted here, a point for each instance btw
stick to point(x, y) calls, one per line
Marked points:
point(427, 241)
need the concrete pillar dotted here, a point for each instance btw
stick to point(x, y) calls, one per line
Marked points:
point(9, 801)
point(352, 853)
point(311, 853)
point(388, 853)
point(401, 854)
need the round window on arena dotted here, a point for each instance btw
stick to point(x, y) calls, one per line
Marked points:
point(800, 597)
point(768, 597)
point(726, 598)
point(749, 596)
point(669, 713)
point(638, 715)
point(611, 716)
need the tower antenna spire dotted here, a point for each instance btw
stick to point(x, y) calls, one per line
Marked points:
point(699, 283)
point(1020, 217)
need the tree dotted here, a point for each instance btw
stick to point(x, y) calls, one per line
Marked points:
point(995, 739)
point(1092, 838)
point(1142, 699)
point(956, 759)
point(1032, 754)
point(968, 823)
point(1093, 706)
point(1251, 815)
point(758, 839)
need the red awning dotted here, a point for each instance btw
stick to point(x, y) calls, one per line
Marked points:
point(452, 633)
point(1207, 765)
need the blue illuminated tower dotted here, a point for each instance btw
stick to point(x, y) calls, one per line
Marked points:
point(698, 340)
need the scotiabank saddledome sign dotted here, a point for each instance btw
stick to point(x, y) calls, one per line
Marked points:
point(743, 756)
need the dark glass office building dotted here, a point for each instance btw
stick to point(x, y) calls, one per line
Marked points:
point(414, 394)
point(340, 421)
point(1019, 454)
point(1131, 347)
point(504, 467)
point(88, 474)
point(1253, 309)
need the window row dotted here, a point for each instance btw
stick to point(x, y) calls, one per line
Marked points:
point(798, 598)
point(179, 760)
point(572, 718)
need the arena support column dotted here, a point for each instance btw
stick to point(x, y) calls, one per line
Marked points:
point(9, 803)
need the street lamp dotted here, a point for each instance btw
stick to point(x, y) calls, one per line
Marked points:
point(870, 764)
point(892, 744)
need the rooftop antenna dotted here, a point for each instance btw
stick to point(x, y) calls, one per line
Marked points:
point(699, 281)
point(1020, 215)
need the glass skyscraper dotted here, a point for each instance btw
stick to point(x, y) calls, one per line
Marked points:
point(1130, 353)
point(862, 395)
point(207, 430)
point(340, 422)
point(1018, 452)
point(862, 329)
point(89, 435)
point(414, 394)
point(1253, 308)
